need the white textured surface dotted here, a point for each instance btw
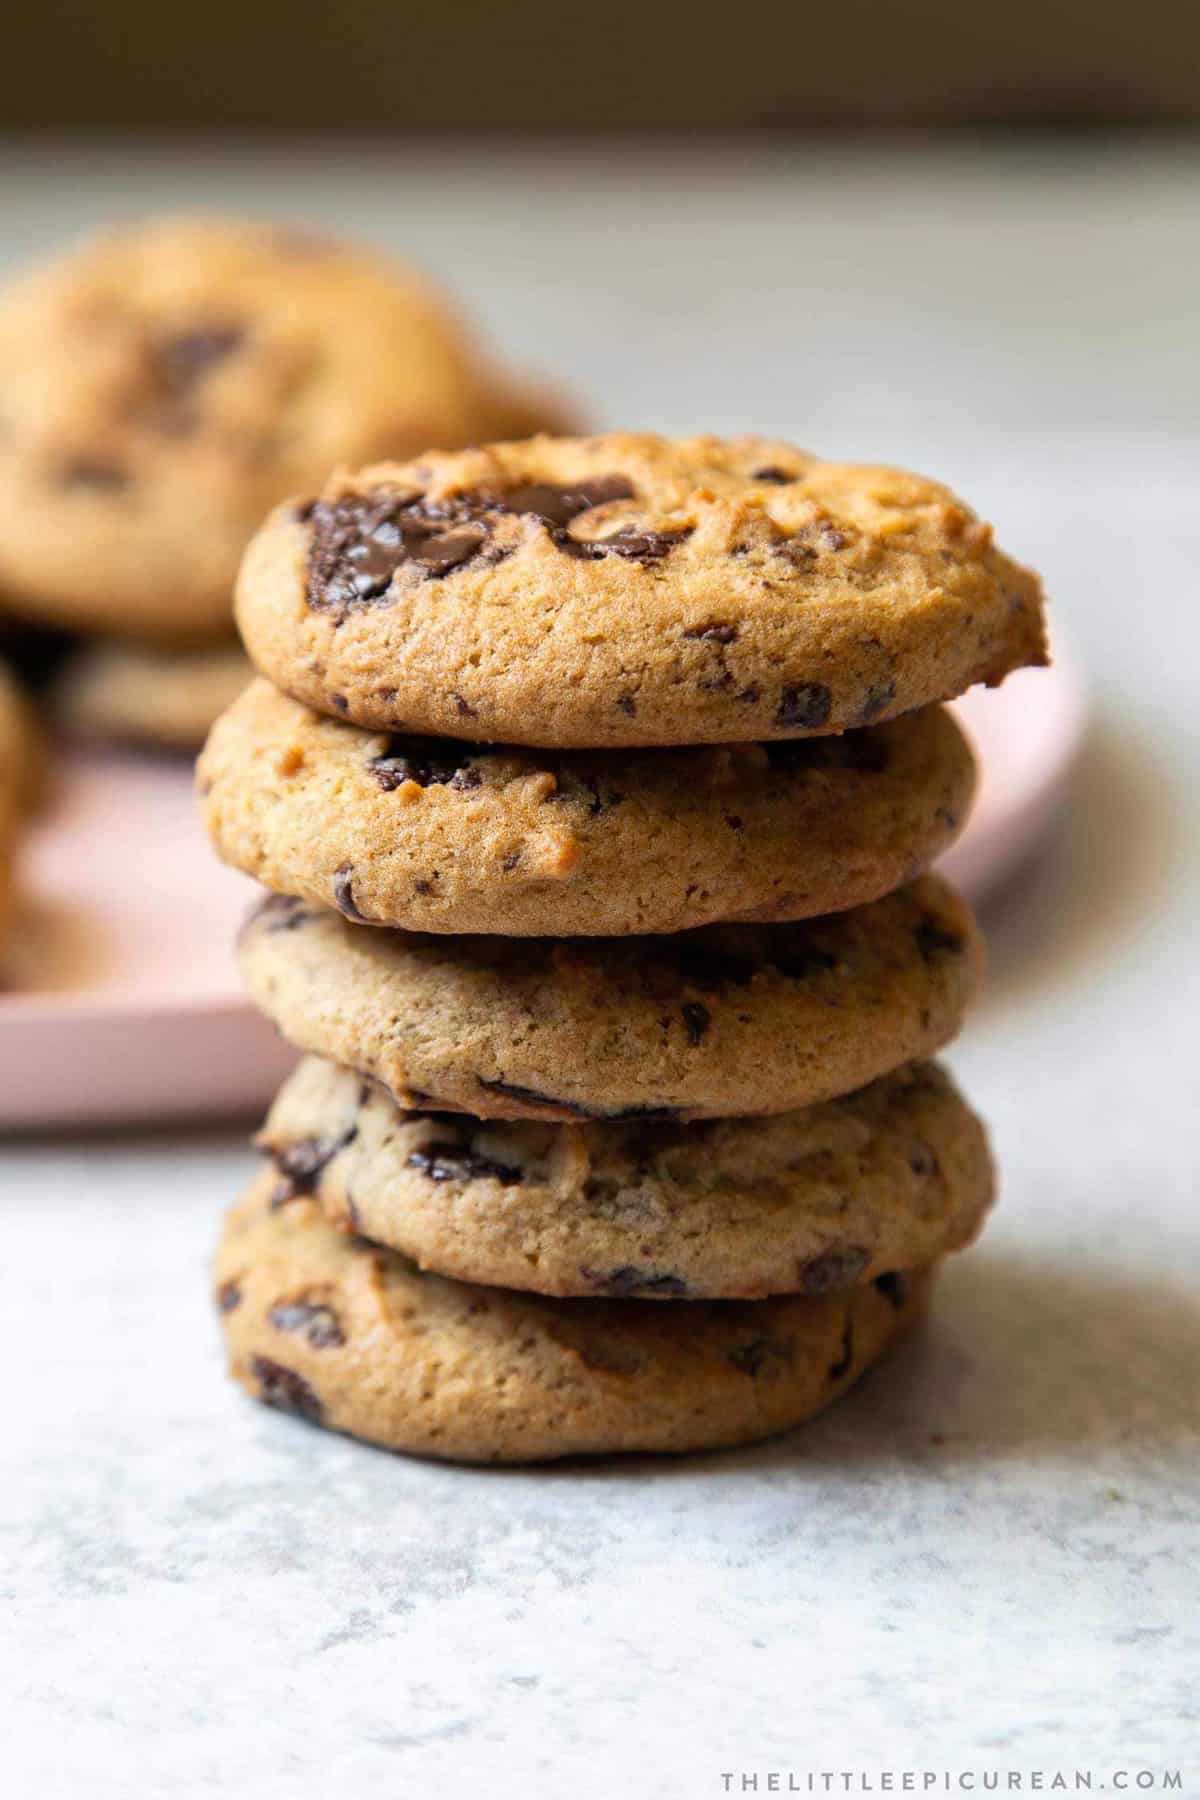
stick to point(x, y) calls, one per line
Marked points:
point(202, 1597)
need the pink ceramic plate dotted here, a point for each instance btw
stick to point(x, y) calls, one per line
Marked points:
point(123, 1003)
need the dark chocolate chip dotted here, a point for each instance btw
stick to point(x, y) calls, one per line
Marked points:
point(734, 822)
point(301, 1164)
point(696, 1019)
point(751, 1358)
point(934, 940)
point(877, 700)
point(340, 702)
point(627, 704)
point(99, 474)
point(451, 1161)
point(805, 960)
point(805, 706)
point(838, 1267)
point(318, 1322)
point(463, 707)
point(229, 1295)
point(894, 1287)
point(626, 1282)
point(284, 1389)
point(184, 358)
point(422, 887)
point(772, 473)
point(343, 893)
point(430, 762)
point(284, 912)
point(845, 1355)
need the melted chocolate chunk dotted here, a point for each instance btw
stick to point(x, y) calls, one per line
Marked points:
point(751, 1358)
point(451, 1161)
point(318, 1322)
point(99, 474)
point(834, 1268)
point(301, 1164)
point(804, 707)
point(343, 894)
point(696, 1019)
point(845, 1355)
point(359, 542)
point(556, 506)
point(634, 545)
point(894, 1287)
point(430, 762)
point(934, 940)
point(184, 358)
point(626, 1282)
point(285, 1390)
point(229, 1295)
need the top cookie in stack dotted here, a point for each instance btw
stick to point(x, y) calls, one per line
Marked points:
point(636, 747)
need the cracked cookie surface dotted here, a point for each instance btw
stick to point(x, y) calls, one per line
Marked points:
point(631, 590)
point(449, 836)
point(836, 1195)
point(720, 1022)
point(353, 1337)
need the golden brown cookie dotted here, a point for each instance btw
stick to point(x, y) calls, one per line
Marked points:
point(165, 383)
point(353, 1337)
point(631, 590)
point(893, 1176)
point(729, 1020)
point(158, 696)
point(446, 836)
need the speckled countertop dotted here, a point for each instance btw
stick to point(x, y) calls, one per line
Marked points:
point(987, 1558)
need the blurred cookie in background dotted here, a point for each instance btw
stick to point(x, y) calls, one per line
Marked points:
point(148, 696)
point(169, 381)
point(21, 777)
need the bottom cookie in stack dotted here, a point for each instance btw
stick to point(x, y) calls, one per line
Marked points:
point(650, 1286)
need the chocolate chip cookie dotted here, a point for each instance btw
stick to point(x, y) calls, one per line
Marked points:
point(159, 696)
point(166, 383)
point(716, 1023)
point(350, 1336)
point(435, 834)
point(884, 1179)
point(631, 590)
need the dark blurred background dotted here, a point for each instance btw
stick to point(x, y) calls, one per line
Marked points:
point(374, 66)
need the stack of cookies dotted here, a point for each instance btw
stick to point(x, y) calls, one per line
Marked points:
point(163, 386)
point(596, 780)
